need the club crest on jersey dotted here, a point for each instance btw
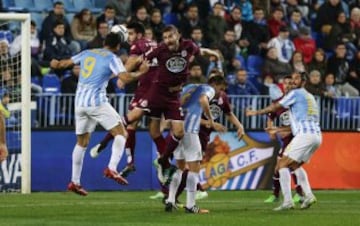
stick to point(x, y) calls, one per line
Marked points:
point(215, 111)
point(183, 53)
point(143, 103)
point(175, 64)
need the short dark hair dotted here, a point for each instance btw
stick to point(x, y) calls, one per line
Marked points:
point(57, 3)
point(112, 40)
point(138, 27)
point(59, 22)
point(217, 78)
point(169, 28)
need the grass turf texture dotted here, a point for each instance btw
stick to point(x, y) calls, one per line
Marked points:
point(135, 208)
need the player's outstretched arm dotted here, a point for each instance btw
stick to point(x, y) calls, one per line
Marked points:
point(61, 64)
point(235, 121)
point(271, 108)
point(206, 51)
point(127, 77)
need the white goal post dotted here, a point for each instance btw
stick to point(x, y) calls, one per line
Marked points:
point(24, 19)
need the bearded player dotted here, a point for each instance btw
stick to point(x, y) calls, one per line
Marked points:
point(139, 47)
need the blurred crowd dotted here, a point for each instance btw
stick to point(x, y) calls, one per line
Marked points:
point(260, 42)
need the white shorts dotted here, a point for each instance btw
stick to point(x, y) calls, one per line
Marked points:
point(189, 148)
point(303, 146)
point(86, 118)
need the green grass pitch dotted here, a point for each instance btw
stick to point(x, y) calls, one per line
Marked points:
point(135, 208)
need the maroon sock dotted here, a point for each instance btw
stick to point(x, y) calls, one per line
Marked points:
point(160, 144)
point(182, 184)
point(164, 189)
point(276, 184)
point(108, 137)
point(298, 188)
point(172, 143)
point(130, 143)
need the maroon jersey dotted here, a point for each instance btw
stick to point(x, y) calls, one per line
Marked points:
point(284, 120)
point(218, 105)
point(140, 48)
point(172, 71)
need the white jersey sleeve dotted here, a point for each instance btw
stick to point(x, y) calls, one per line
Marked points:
point(77, 58)
point(289, 99)
point(116, 66)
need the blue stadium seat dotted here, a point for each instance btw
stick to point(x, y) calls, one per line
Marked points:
point(38, 19)
point(7, 4)
point(51, 84)
point(88, 4)
point(8, 35)
point(100, 4)
point(43, 5)
point(26, 5)
point(254, 64)
point(69, 17)
point(170, 18)
point(242, 61)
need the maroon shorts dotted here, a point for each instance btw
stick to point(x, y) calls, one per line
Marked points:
point(285, 142)
point(135, 102)
point(204, 140)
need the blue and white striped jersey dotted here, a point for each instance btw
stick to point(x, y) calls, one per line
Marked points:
point(96, 68)
point(190, 97)
point(304, 112)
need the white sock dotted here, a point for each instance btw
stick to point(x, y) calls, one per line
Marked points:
point(191, 182)
point(128, 155)
point(77, 163)
point(175, 181)
point(285, 183)
point(117, 150)
point(303, 181)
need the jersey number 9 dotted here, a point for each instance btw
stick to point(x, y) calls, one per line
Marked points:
point(88, 67)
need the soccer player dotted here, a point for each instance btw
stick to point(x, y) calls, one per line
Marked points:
point(277, 91)
point(304, 122)
point(195, 101)
point(139, 47)
point(92, 106)
point(4, 113)
point(173, 56)
point(218, 105)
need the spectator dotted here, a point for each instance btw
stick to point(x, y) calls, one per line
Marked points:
point(297, 62)
point(276, 21)
point(228, 48)
point(284, 46)
point(198, 37)
point(190, 20)
point(216, 24)
point(242, 85)
point(354, 78)
point(149, 33)
point(98, 40)
point(246, 10)
point(326, 16)
point(108, 16)
point(329, 81)
point(141, 16)
point(69, 83)
point(319, 62)
point(267, 82)
point(314, 85)
point(293, 5)
point(233, 21)
point(305, 44)
point(83, 27)
point(355, 25)
point(257, 32)
point(340, 31)
point(122, 9)
point(339, 66)
point(354, 4)
point(157, 24)
point(274, 67)
point(295, 23)
point(56, 46)
point(196, 74)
